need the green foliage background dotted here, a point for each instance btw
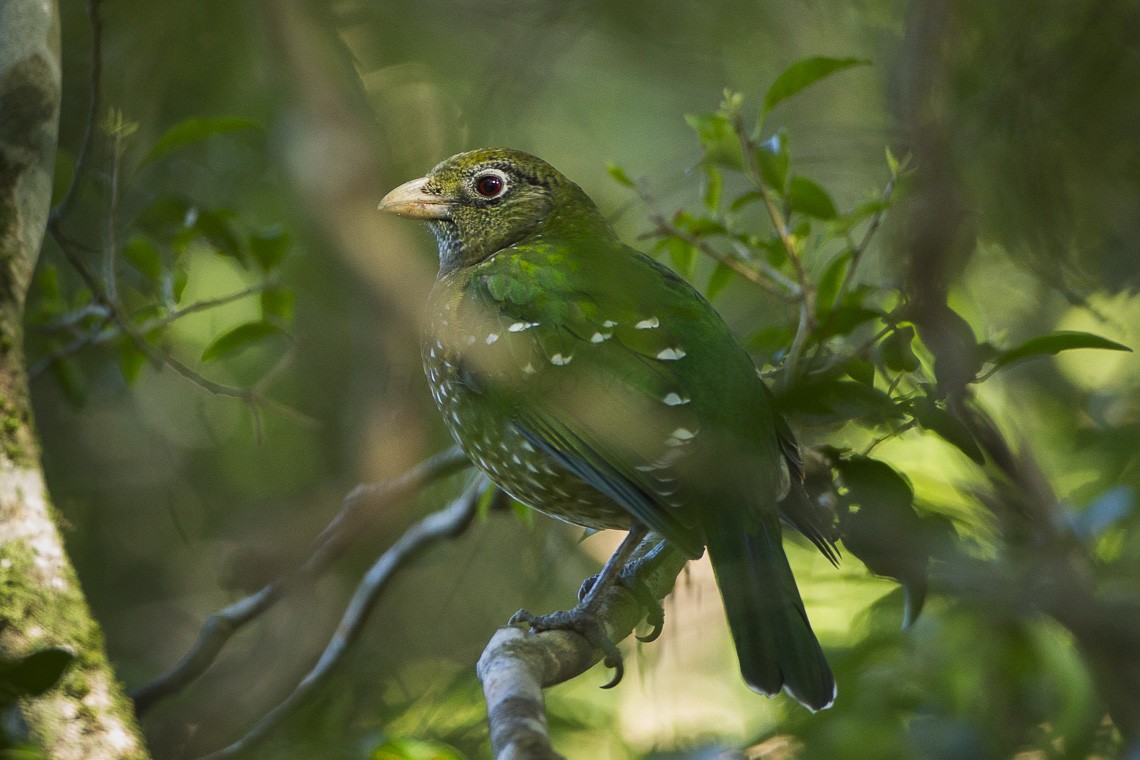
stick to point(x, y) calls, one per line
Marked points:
point(241, 149)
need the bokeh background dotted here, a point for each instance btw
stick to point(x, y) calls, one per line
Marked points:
point(1023, 121)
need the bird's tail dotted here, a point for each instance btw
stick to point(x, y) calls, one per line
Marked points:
point(774, 641)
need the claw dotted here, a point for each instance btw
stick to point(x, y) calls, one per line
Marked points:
point(586, 587)
point(580, 620)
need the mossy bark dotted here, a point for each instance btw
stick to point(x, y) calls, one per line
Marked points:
point(41, 602)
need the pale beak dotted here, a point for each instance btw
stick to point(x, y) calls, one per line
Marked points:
point(410, 200)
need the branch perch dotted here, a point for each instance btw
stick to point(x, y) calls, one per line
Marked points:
point(516, 665)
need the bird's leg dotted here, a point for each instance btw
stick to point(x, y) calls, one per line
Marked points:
point(644, 560)
point(583, 619)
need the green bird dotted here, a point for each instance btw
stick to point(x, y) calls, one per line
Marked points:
point(597, 386)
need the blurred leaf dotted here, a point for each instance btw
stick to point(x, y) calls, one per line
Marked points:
point(880, 526)
point(36, 673)
point(194, 130)
point(713, 185)
point(844, 319)
point(829, 282)
point(744, 199)
point(771, 341)
point(860, 370)
point(411, 748)
point(619, 174)
point(269, 247)
point(772, 156)
point(215, 227)
point(240, 337)
point(803, 73)
point(131, 360)
point(166, 217)
point(947, 427)
point(719, 279)
point(71, 380)
point(809, 198)
point(896, 350)
point(831, 400)
point(277, 305)
point(178, 282)
point(145, 257)
point(698, 225)
point(682, 256)
point(717, 135)
point(1054, 343)
point(892, 162)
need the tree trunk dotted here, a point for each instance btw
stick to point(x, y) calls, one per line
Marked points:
point(85, 716)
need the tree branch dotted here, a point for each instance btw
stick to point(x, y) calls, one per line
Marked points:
point(516, 666)
point(446, 523)
point(356, 519)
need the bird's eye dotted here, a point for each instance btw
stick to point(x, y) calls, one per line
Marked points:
point(490, 185)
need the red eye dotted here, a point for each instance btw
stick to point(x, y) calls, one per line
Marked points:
point(489, 185)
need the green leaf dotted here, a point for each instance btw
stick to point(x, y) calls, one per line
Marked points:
point(860, 370)
point(269, 247)
point(37, 672)
point(194, 130)
point(713, 185)
point(412, 748)
point(744, 199)
point(809, 198)
point(947, 427)
point(772, 156)
point(131, 360)
point(843, 319)
point(892, 162)
point(215, 227)
point(619, 174)
point(682, 256)
point(896, 351)
point(719, 279)
point(277, 305)
point(829, 282)
point(71, 380)
point(717, 135)
point(145, 257)
point(240, 337)
point(698, 225)
point(178, 283)
point(802, 74)
point(1054, 343)
point(771, 341)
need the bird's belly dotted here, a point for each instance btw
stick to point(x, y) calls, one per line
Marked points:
point(512, 463)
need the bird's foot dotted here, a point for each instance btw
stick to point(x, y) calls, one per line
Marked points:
point(630, 577)
point(582, 620)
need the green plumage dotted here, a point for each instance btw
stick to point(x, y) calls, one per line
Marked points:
point(595, 385)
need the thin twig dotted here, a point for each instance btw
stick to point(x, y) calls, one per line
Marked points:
point(446, 523)
point(868, 234)
point(97, 334)
point(766, 276)
point(356, 518)
point(209, 303)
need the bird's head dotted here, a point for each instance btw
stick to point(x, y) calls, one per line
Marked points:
point(485, 200)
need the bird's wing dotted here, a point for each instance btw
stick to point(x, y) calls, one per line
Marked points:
point(595, 380)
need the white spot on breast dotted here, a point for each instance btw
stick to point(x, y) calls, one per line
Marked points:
point(598, 337)
point(683, 434)
point(609, 323)
point(675, 399)
point(520, 326)
point(561, 359)
point(470, 339)
point(671, 354)
point(492, 338)
point(648, 324)
point(529, 369)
